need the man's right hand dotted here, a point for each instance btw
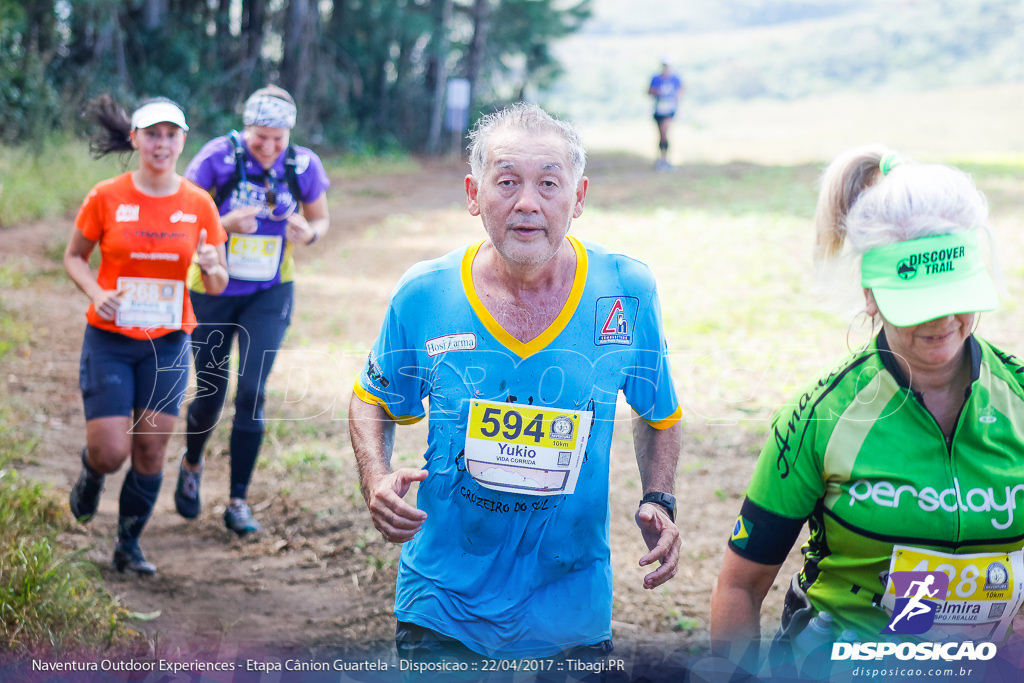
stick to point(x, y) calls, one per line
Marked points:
point(395, 519)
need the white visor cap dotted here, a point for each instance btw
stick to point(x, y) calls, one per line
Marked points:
point(158, 112)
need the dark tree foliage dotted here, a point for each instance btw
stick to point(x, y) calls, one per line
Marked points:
point(29, 101)
point(366, 73)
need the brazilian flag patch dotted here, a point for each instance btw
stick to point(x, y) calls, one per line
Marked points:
point(741, 532)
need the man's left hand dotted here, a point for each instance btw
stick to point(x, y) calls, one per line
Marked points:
point(662, 538)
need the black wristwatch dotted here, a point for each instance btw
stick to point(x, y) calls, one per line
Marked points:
point(665, 500)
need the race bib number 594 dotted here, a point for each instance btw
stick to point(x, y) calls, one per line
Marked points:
point(524, 449)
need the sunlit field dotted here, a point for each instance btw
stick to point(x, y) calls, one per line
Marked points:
point(728, 236)
point(969, 123)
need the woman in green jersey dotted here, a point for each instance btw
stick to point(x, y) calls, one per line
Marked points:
point(907, 455)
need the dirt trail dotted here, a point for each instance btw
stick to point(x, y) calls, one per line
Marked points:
point(319, 580)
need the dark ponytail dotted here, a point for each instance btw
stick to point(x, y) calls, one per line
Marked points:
point(115, 127)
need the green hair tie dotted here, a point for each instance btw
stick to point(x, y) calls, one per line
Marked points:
point(889, 162)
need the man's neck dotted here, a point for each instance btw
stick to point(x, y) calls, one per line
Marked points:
point(525, 299)
point(492, 271)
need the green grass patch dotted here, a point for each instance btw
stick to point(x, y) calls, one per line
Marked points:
point(305, 461)
point(14, 333)
point(682, 622)
point(48, 179)
point(51, 598)
point(358, 165)
point(51, 177)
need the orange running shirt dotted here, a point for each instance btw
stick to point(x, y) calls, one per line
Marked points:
point(146, 244)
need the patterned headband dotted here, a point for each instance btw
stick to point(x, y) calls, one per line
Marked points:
point(268, 111)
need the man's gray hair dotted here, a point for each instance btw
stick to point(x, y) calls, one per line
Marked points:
point(526, 117)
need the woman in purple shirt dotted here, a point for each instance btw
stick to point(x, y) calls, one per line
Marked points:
point(271, 197)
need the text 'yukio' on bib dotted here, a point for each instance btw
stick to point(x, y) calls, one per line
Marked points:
point(976, 599)
point(148, 302)
point(524, 449)
point(254, 257)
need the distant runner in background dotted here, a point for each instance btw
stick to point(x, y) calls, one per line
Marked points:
point(149, 224)
point(666, 88)
point(271, 196)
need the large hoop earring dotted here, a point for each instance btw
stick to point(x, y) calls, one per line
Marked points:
point(859, 320)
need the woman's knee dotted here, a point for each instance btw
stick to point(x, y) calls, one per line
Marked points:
point(249, 408)
point(148, 453)
point(107, 456)
point(108, 443)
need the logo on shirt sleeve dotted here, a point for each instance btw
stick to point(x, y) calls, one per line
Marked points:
point(741, 532)
point(374, 372)
point(615, 320)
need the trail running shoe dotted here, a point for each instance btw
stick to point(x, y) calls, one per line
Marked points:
point(186, 494)
point(85, 494)
point(238, 518)
point(129, 558)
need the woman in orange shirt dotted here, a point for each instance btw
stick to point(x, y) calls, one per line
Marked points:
point(150, 225)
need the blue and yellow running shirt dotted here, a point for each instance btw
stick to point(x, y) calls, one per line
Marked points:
point(508, 574)
point(858, 457)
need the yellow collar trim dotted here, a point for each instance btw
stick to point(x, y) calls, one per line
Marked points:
point(538, 343)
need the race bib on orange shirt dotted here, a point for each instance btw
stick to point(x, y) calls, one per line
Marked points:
point(149, 302)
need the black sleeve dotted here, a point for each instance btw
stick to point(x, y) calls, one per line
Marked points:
point(762, 536)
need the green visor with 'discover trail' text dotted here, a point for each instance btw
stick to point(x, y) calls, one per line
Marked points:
point(919, 280)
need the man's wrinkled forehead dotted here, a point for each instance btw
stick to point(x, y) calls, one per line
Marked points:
point(511, 165)
point(511, 148)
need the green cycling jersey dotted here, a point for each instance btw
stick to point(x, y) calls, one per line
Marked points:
point(862, 461)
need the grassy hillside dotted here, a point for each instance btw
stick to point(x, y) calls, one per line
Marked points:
point(949, 124)
point(739, 50)
point(645, 16)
